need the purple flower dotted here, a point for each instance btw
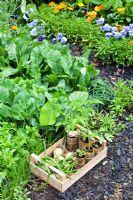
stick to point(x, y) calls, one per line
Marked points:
point(30, 25)
point(33, 32)
point(40, 38)
point(100, 21)
point(123, 33)
point(85, 11)
point(131, 33)
point(131, 26)
point(53, 40)
point(126, 28)
point(117, 35)
point(59, 36)
point(33, 23)
point(113, 29)
point(63, 40)
point(106, 27)
point(108, 35)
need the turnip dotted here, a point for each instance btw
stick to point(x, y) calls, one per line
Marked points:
point(58, 152)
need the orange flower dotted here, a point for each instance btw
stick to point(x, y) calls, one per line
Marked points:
point(89, 19)
point(118, 26)
point(101, 7)
point(60, 6)
point(98, 8)
point(57, 7)
point(120, 10)
point(14, 27)
point(51, 3)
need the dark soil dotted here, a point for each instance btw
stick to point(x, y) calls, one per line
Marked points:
point(113, 73)
point(112, 179)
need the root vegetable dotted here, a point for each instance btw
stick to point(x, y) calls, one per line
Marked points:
point(58, 152)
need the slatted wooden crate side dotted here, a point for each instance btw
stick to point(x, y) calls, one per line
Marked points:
point(63, 183)
point(86, 168)
point(41, 174)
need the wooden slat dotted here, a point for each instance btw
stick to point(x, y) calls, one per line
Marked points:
point(35, 159)
point(41, 174)
point(81, 172)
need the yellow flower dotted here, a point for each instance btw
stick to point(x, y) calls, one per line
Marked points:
point(120, 10)
point(62, 5)
point(14, 27)
point(92, 14)
point(51, 3)
point(81, 4)
point(70, 8)
point(98, 8)
point(89, 19)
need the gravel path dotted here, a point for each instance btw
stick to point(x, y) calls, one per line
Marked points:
point(112, 179)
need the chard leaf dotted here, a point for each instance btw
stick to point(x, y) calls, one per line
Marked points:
point(49, 112)
point(78, 97)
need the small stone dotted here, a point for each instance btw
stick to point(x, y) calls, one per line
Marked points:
point(118, 152)
point(105, 162)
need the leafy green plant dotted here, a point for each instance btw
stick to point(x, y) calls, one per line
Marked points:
point(111, 49)
point(20, 194)
point(101, 89)
point(123, 97)
point(16, 144)
point(68, 111)
point(81, 153)
point(66, 165)
point(17, 100)
point(130, 118)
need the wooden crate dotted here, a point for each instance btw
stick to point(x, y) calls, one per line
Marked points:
point(62, 183)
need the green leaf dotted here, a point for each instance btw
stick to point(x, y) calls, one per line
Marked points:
point(8, 72)
point(36, 55)
point(12, 51)
point(4, 97)
point(2, 176)
point(78, 97)
point(23, 6)
point(128, 19)
point(97, 1)
point(49, 112)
